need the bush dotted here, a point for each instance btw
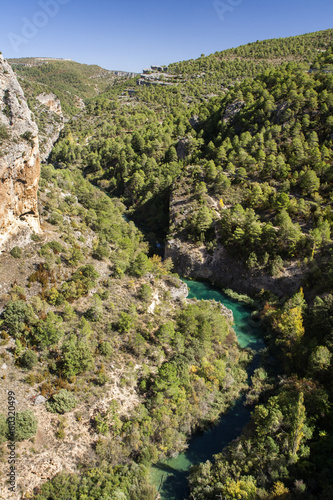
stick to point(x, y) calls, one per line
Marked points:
point(25, 425)
point(62, 402)
point(28, 359)
point(29, 137)
point(85, 279)
point(106, 349)
point(141, 265)
point(55, 246)
point(3, 133)
point(16, 252)
point(16, 316)
point(145, 293)
point(55, 218)
point(3, 428)
point(125, 322)
point(102, 251)
point(76, 356)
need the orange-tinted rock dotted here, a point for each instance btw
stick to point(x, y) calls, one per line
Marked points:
point(19, 163)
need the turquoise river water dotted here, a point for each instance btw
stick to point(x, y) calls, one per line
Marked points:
point(170, 476)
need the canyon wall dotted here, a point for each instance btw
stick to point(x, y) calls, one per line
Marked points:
point(19, 163)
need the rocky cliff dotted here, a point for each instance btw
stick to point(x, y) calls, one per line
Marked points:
point(19, 163)
point(51, 122)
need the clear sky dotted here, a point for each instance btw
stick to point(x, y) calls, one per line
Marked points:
point(133, 34)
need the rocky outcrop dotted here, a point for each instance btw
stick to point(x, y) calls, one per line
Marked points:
point(220, 268)
point(194, 121)
point(51, 120)
point(51, 101)
point(19, 163)
point(232, 110)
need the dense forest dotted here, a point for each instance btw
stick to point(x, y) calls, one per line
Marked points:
point(248, 133)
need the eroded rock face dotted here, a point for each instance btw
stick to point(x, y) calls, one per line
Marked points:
point(19, 163)
point(51, 101)
point(53, 123)
point(232, 110)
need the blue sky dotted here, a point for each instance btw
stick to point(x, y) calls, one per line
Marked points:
point(132, 35)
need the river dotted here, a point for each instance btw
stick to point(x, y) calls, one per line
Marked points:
point(170, 476)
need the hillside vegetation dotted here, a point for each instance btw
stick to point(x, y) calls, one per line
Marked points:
point(69, 80)
point(129, 369)
point(255, 165)
point(211, 73)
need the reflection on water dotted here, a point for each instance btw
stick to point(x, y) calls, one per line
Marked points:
point(170, 477)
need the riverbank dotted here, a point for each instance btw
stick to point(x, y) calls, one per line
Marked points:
point(170, 476)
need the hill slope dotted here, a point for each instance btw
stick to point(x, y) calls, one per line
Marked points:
point(72, 82)
point(221, 68)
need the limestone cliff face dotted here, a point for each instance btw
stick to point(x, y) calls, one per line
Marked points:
point(52, 123)
point(51, 101)
point(19, 163)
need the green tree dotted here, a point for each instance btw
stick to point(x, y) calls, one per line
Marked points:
point(106, 349)
point(203, 220)
point(320, 359)
point(297, 430)
point(310, 182)
point(125, 322)
point(166, 332)
point(49, 331)
point(17, 316)
point(210, 171)
point(141, 265)
point(76, 356)
point(145, 292)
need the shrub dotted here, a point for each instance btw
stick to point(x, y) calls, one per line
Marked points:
point(28, 359)
point(141, 265)
point(55, 246)
point(145, 292)
point(3, 133)
point(102, 251)
point(29, 137)
point(25, 425)
point(102, 377)
point(3, 428)
point(76, 356)
point(16, 252)
point(62, 402)
point(125, 322)
point(106, 349)
point(55, 218)
point(16, 316)
point(85, 279)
